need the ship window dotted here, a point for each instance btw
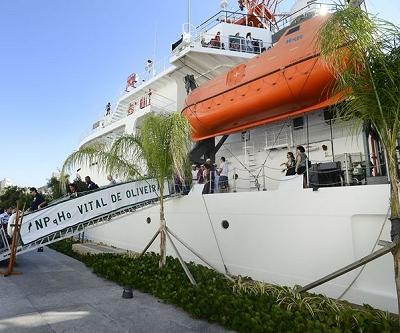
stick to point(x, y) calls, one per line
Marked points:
point(298, 123)
point(293, 30)
point(329, 115)
point(245, 136)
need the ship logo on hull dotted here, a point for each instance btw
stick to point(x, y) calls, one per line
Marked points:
point(235, 75)
point(294, 39)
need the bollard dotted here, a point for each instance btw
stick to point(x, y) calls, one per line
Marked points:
point(127, 293)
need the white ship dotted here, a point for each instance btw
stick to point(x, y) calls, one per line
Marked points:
point(267, 226)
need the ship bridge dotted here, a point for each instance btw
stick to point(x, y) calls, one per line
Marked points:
point(221, 42)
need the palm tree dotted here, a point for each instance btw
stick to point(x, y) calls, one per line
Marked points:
point(364, 54)
point(159, 150)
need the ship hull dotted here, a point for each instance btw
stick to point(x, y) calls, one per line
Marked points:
point(283, 237)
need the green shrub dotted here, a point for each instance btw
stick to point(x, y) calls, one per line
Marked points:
point(244, 306)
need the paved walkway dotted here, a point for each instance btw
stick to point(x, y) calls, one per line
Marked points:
point(58, 294)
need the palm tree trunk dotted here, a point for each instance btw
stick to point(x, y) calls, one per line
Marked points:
point(163, 236)
point(395, 216)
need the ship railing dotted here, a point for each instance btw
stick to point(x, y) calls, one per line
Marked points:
point(150, 70)
point(311, 9)
point(153, 100)
point(230, 43)
point(298, 131)
point(227, 17)
point(263, 177)
point(163, 103)
point(150, 99)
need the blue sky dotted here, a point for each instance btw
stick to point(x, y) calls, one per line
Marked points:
point(62, 60)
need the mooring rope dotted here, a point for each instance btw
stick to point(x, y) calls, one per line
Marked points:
point(215, 236)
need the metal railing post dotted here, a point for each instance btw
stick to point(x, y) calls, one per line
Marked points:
point(234, 179)
point(346, 170)
point(307, 173)
point(264, 188)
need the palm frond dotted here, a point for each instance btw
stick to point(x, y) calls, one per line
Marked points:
point(363, 52)
point(104, 158)
point(165, 144)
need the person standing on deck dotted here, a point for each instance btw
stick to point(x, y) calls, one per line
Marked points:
point(211, 171)
point(301, 160)
point(111, 180)
point(223, 175)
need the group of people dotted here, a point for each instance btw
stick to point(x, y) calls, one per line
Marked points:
point(215, 42)
point(7, 218)
point(91, 186)
point(214, 178)
point(296, 165)
point(236, 43)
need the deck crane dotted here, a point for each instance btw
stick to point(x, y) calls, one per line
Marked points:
point(264, 11)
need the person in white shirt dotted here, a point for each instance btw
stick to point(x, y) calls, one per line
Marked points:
point(4, 217)
point(111, 180)
point(194, 173)
point(223, 175)
point(10, 225)
point(249, 43)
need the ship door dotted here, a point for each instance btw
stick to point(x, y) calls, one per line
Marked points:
point(377, 155)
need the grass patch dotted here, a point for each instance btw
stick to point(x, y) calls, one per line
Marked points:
point(243, 306)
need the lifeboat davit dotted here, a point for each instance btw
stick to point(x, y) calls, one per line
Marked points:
point(284, 81)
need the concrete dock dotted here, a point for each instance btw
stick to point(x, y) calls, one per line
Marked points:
point(58, 294)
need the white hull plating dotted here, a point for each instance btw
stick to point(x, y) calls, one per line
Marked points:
point(285, 237)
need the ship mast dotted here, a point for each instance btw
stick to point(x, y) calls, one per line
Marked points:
point(189, 14)
point(264, 10)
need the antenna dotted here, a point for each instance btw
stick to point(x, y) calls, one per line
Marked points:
point(189, 17)
point(155, 48)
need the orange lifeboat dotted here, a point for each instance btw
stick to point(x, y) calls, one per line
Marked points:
point(285, 81)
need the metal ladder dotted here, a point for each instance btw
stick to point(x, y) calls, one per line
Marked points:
point(71, 231)
point(251, 163)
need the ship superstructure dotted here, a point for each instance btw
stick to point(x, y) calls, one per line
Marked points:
point(276, 230)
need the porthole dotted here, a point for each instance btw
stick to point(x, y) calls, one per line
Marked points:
point(225, 224)
point(148, 220)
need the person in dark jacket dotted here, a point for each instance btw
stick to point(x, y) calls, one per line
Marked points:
point(90, 184)
point(38, 199)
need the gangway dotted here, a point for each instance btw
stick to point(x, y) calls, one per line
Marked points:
point(71, 217)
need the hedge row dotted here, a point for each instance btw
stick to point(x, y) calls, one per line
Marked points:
point(243, 306)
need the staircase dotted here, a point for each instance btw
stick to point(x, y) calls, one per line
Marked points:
point(251, 163)
point(67, 232)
